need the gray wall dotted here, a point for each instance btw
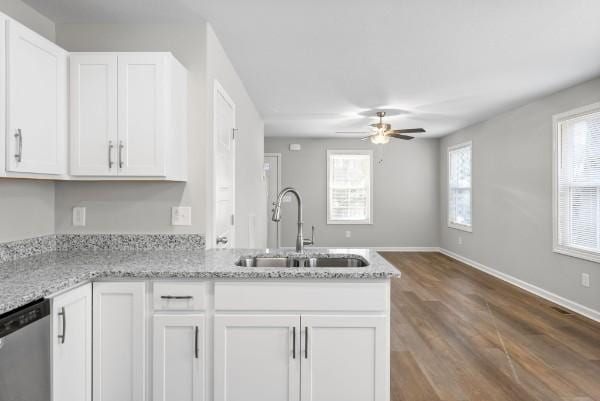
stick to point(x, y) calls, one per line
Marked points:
point(132, 207)
point(26, 206)
point(129, 207)
point(405, 197)
point(512, 197)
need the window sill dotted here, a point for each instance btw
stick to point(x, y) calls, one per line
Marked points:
point(461, 227)
point(577, 253)
point(349, 222)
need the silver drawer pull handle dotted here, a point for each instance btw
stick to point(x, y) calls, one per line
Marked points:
point(176, 297)
point(110, 149)
point(121, 146)
point(196, 343)
point(62, 336)
point(19, 138)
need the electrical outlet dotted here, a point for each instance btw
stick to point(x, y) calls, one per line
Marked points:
point(585, 279)
point(348, 234)
point(459, 240)
point(79, 216)
point(287, 198)
point(181, 216)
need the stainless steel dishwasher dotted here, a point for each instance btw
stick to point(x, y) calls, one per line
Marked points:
point(25, 353)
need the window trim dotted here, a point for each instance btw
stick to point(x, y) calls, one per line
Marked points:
point(451, 224)
point(368, 152)
point(557, 120)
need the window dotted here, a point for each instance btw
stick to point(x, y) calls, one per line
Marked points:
point(459, 187)
point(577, 183)
point(349, 177)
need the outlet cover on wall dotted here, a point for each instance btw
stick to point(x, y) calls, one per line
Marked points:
point(348, 234)
point(585, 279)
point(79, 216)
point(181, 216)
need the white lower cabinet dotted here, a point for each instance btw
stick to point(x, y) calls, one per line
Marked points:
point(300, 357)
point(344, 358)
point(179, 357)
point(72, 345)
point(119, 318)
point(256, 357)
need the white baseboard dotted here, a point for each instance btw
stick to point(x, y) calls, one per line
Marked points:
point(540, 292)
point(406, 248)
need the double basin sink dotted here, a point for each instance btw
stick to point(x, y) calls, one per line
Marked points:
point(308, 260)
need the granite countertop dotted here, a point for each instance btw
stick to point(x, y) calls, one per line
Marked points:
point(25, 280)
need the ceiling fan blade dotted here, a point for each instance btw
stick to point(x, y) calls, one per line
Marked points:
point(401, 136)
point(408, 131)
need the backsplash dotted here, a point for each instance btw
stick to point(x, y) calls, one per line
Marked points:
point(83, 242)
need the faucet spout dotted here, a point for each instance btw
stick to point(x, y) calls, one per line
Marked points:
point(277, 214)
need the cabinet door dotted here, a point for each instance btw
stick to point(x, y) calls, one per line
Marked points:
point(179, 358)
point(37, 86)
point(119, 341)
point(142, 105)
point(344, 358)
point(256, 358)
point(93, 105)
point(72, 345)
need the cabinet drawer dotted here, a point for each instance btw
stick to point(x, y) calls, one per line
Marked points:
point(302, 296)
point(179, 296)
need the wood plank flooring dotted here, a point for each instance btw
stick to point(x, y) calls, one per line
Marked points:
point(460, 334)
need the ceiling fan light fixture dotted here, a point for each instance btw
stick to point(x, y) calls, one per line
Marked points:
point(380, 139)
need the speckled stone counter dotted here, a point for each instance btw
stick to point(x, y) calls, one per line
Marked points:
point(27, 279)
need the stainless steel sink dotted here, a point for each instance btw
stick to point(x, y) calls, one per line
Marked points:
point(302, 261)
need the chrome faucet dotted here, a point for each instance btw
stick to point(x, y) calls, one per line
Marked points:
point(300, 240)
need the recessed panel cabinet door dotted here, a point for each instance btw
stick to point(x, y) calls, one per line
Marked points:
point(179, 358)
point(119, 341)
point(344, 358)
point(93, 89)
point(142, 95)
point(72, 345)
point(256, 358)
point(36, 118)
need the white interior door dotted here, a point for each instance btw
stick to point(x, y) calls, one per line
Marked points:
point(344, 358)
point(273, 177)
point(141, 103)
point(37, 103)
point(224, 169)
point(93, 88)
point(72, 345)
point(179, 360)
point(256, 358)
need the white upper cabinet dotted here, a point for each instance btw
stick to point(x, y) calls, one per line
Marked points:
point(36, 103)
point(128, 116)
point(93, 114)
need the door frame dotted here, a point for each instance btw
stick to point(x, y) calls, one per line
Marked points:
point(279, 173)
point(218, 90)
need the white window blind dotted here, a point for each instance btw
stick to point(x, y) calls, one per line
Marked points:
point(578, 181)
point(459, 186)
point(349, 186)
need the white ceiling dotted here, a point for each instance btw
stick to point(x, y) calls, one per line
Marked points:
point(312, 66)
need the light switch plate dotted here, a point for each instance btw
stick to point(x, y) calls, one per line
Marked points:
point(181, 216)
point(79, 216)
point(585, 279)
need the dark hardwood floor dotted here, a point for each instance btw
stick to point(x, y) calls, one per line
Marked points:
point(460, 334)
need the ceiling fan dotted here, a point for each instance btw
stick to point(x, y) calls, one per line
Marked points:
point(383, 132)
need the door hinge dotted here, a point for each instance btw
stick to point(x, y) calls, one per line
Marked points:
point(233, 131)
point(232, 220)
